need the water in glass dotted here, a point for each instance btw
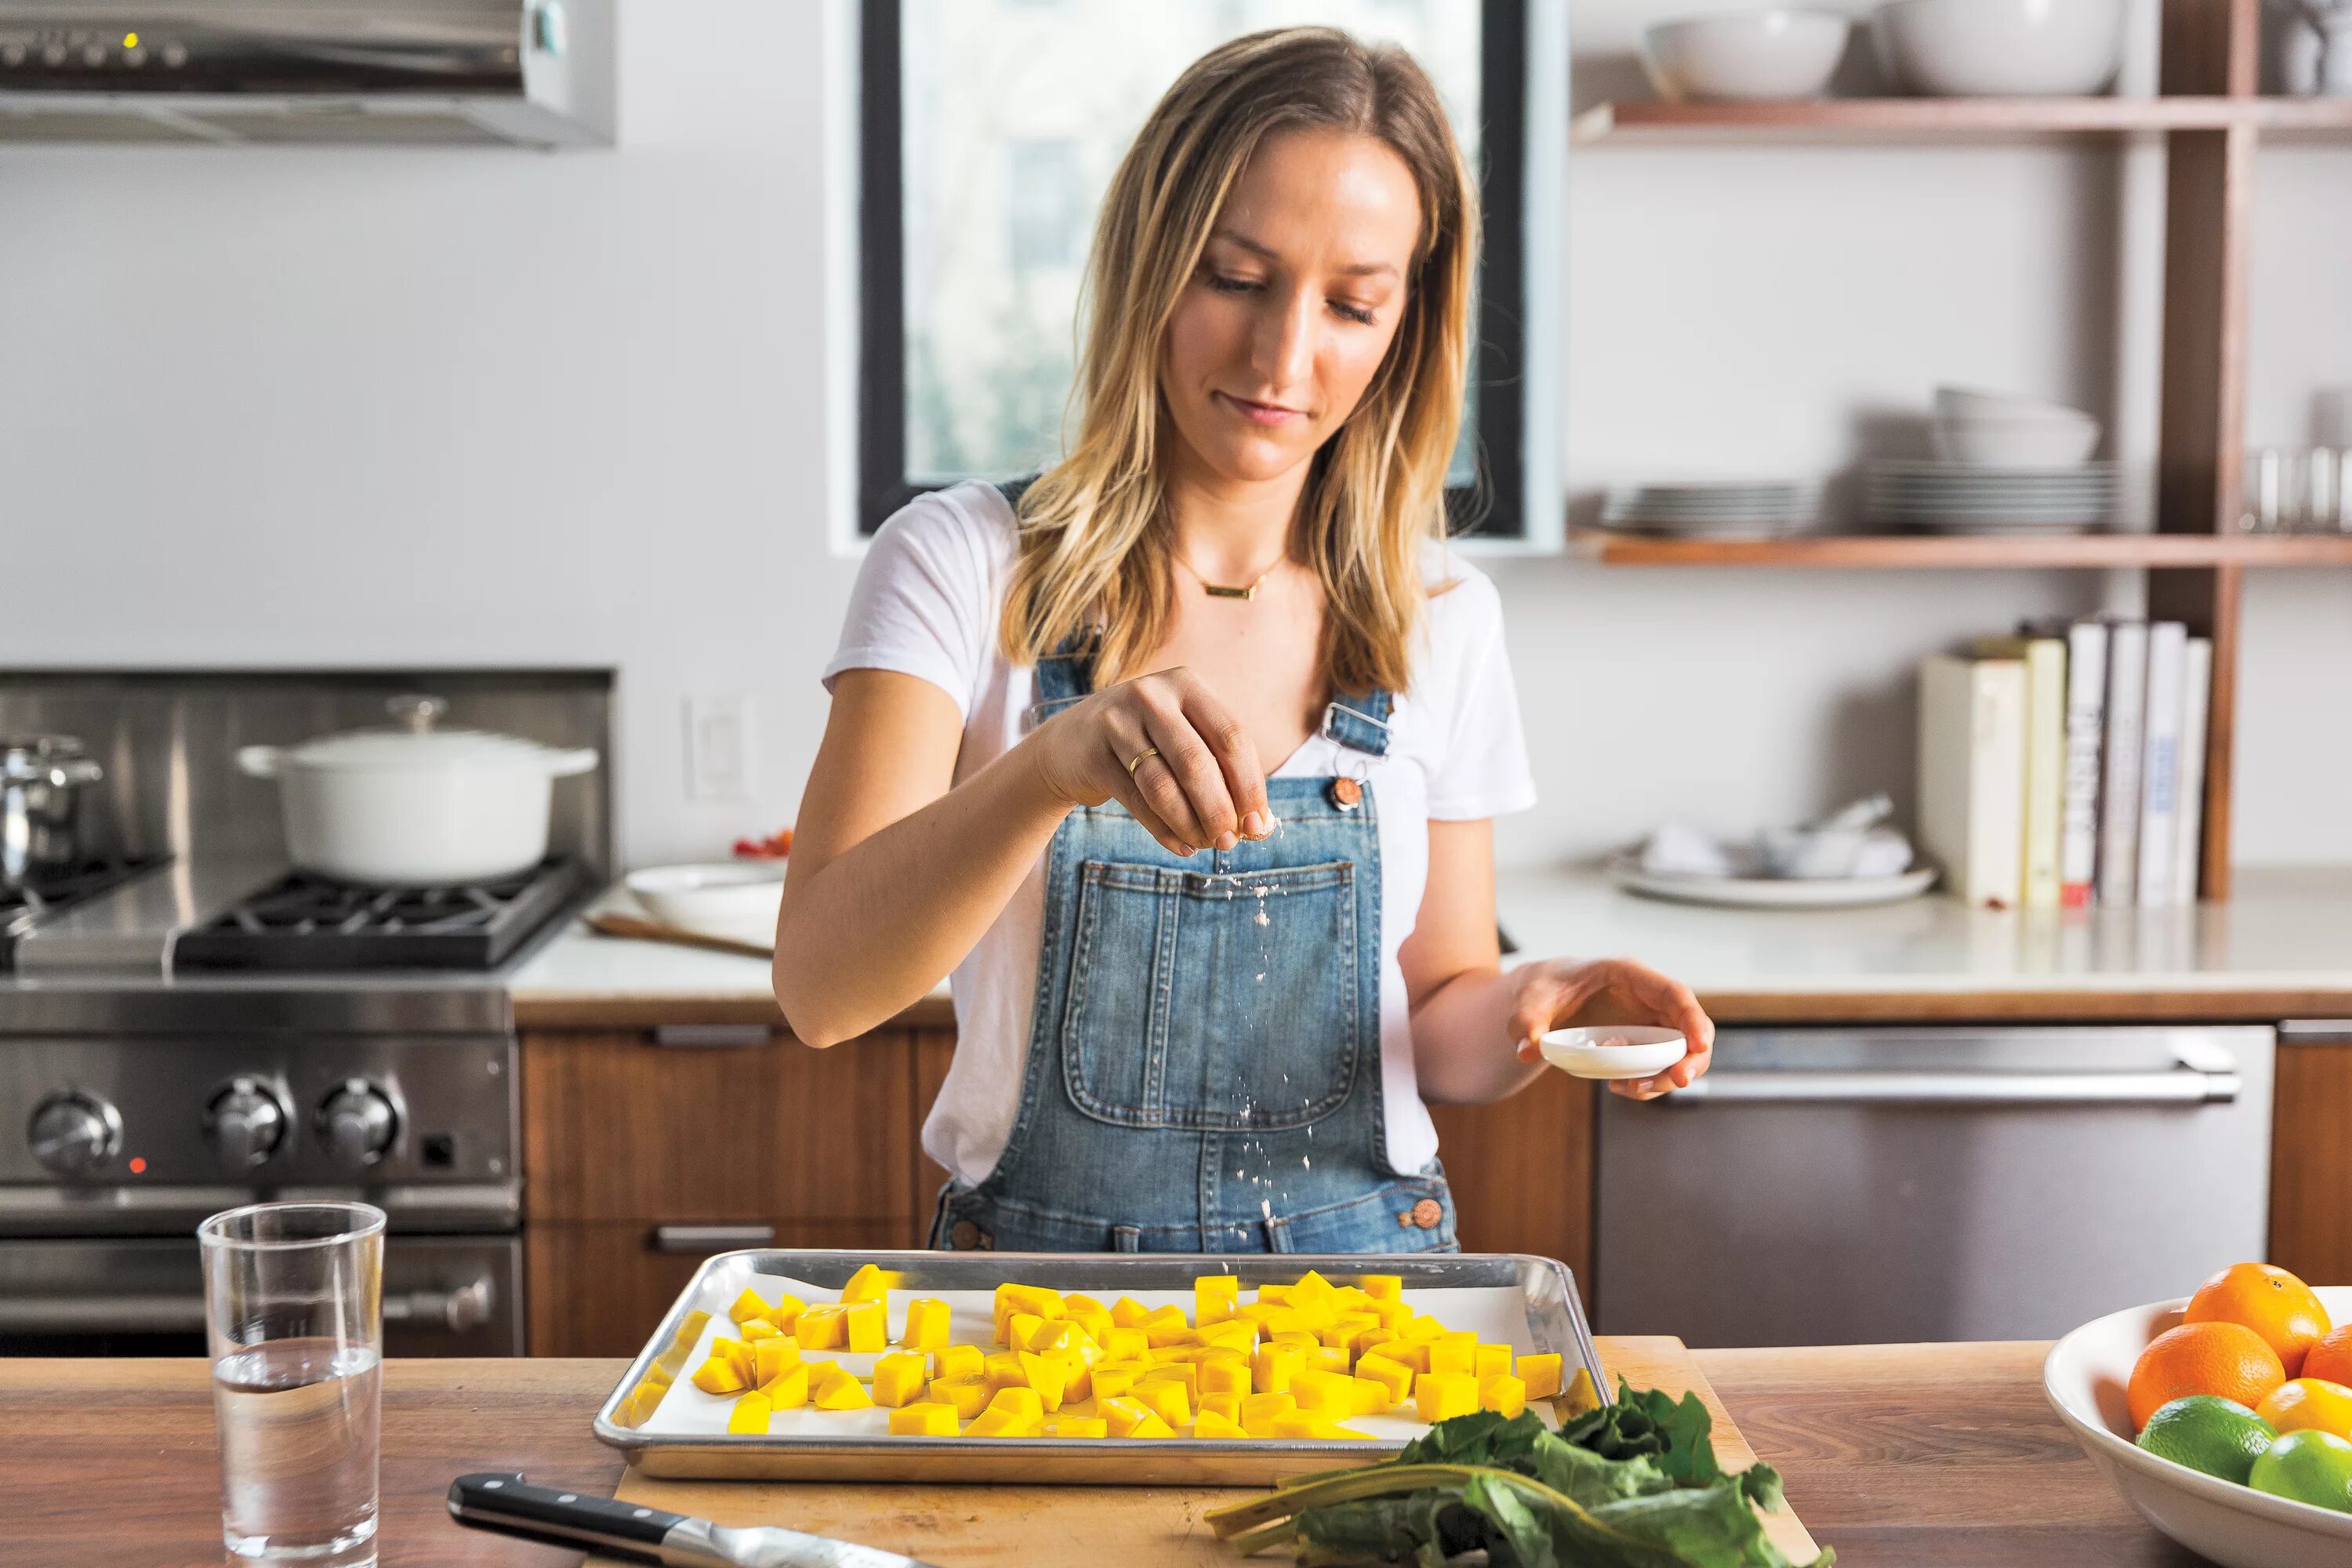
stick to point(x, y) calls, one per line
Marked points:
point(298, 1444)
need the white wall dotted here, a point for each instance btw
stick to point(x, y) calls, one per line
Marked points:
point(394, 406)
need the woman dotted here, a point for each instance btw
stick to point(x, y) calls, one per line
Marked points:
point(1201, 1006)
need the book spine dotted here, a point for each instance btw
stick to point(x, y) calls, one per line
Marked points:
point(2120, 763)
point(2160, 763)
point(1996, 786)
point(2086, 705)
point(2045, 769)
point(2189, 819)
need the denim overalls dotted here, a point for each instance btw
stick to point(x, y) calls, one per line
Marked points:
point(1203, 1072)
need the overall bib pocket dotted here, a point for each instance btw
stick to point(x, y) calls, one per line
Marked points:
point(1213, 1003)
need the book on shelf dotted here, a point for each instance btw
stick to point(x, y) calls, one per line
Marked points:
point(2087, 709)
point(2196, 701)
point(1972, 744)
point(2120, 760)
point(2160, 778)
point(2045, 659)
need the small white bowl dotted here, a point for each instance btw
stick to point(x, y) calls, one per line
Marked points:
point(2003, 49)
point(2015, 443)
point(1614, 1050)
point(1752, 57)
point(732, 899)
point(1975, 403)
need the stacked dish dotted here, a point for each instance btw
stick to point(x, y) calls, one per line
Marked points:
point(1964, 498)
point(1719, 509)
point(1752, 57)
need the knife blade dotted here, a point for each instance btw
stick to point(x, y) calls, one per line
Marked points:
point(507, 1503)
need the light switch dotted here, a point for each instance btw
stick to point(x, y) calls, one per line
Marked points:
point(718, 748)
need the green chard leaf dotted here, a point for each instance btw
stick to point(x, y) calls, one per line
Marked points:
point(1761, 1482)
point(1481, 1437)
point(1587, 1478)
point(1704, 1527)
point(1524, 1539)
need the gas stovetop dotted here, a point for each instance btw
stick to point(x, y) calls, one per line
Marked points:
point(307, 923)
point(55, 892)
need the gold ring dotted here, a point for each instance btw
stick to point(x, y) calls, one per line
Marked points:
point(1147, 752)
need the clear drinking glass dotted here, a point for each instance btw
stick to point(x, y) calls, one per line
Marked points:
point(294, 1311)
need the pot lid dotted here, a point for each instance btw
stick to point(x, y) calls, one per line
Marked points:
point(417, 744)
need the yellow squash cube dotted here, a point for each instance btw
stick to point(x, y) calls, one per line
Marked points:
point(1259, 1412)
point(836, 1388)
point(754, 1329)
point(787, 1312)
point(898, 1379)
point(788, 1389)
point(1312, 1290)
point(1166, 1399)
point(966, 1396)
point(770, 1357)
point(1214, 1296)
point(868, 1284)
point(1329, 1358)
point(1423, 1328)
point(1233, 1334)
point(869, 1326)
point(1313, 1424)
point(1074, 1426)
point(994, 1422)
point(1036, 1334)
point(1209, 1424)
point(1167, 1327)
point(1186, 1374)
point(927, 1325)
point(1494, 1361)
point(1441, 1395)
point(1413, 1353)
point(737, 1351)
point(1541, 1375)
point(749, 1414)
point(719, 1374)
point(1095, 1322)
point(1450, 1355)
point(1112, 1381)
point(1325, 1393)
point(1228, 1406)
point(1394, 1376)
point(1224, 1375)
point(1127, 1312)
point(1034, 1300)
point(1273, 1367)
point(1046, 1376)
point(751, 1304)
point(1503, 1394)
point(1127, 1418)
point(1125, 1345)
point(824, 1327)
point(1381, 1287)
point(1075, 1303)
point(923, 1420)
point(1003, 1370)
point(1393, 1315)
point(1274, 1294)
point(1371, 1397)
point(959, 1361)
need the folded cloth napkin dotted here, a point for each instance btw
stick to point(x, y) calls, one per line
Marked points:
point(1852, 841)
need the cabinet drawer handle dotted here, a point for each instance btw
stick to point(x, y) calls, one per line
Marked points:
point(705, 1239)
point(711, 1037)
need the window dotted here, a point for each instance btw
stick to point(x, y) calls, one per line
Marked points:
point(990, 129)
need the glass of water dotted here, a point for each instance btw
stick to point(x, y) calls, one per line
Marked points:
point(294, 1312)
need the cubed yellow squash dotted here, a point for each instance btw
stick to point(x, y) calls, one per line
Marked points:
point(898, 1378)
point(1414, 1354)
point(924, 1419)
point(870, 1283)
point(1276, 1293)
point(1310, 1424)
point(719, 1374)
point(754, 1329)
point(927, 1325)
point(1037, 1334)
point(1494, 1361)
point(1166, 1399)
point(869, 1326)
point(1233, 1334)
point(1329, 1358)
point(1110, 1379)
point(1503, 1394)
point(1441, 1396)
point(1393, 1315)
point(995, 1423)
point(1077, 1302)
point(1394, 1376)
point(737, 1351)
point(1187, 1374)
point(1210, 1423)
point(1423, 1328)
point(1371, 1397)
point(1541, 1375)
point(1127, 1312)
point(786, 1313)
point(1045, 1376)
point(1224, 1376)
point(770, 1357)
point(1228, 1406)
point(1094, 1321)
point(1381, 1287)
point(1329, 1392)
point(788, 1389)
point(824, 1327)
point(1125, 1345)
point(1068, 1425)
point(749, 1414)
point(1214, 1296)
point(1020, 1401)
point(1449, 1356)
point(1273, 1367)
point(836, 1388)
point(959, 1361)
point(749, 1305)
point(966, 1396)
point(1128, 1418)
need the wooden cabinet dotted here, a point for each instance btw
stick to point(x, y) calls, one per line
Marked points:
point(2311, 1161)
point(1522, 1171)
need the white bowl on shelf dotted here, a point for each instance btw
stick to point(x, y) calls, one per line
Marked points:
point(2084, 1380)
point(1750, 56)
point(1612, 1051)
point(735, 898)
point(2001, 49)
point(2015, 443)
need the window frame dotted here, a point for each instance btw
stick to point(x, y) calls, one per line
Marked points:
point(1513, 393)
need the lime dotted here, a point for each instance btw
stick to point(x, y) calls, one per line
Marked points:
point(2208, 1433)
point(2309, 1467)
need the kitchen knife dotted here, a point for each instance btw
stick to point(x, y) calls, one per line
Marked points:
point(511, 1505)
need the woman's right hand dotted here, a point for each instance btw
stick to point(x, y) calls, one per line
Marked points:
point(1199, 784)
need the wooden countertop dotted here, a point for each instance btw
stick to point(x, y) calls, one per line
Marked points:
point(1923, 1456)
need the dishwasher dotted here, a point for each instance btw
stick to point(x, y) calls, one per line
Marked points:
point(1879, 1184)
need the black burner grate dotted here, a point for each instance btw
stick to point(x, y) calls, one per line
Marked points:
point(54, 891)
point(307, 922)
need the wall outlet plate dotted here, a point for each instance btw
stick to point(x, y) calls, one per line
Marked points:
point(718, 748)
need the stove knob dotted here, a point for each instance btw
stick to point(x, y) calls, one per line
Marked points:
point(245, 1123)
point(357, 1122)
point(73, 1133)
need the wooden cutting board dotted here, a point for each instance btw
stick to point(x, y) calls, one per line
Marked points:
point(1084, 1527)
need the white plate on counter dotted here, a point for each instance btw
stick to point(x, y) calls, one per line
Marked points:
point(1771, 892)
point(736, 900)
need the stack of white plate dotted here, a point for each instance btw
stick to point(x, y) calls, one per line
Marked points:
point(1964, 498)
point(1714, 508)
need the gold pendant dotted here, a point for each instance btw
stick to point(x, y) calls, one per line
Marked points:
point(1214, 591)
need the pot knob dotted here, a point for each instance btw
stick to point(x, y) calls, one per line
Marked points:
point(74, 1132)
point(357, 1122)
point(417, 712)
point(245, 1123)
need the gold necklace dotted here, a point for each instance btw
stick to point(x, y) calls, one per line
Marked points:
point(1221, 591)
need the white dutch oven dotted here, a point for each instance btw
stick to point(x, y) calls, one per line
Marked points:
point(415, 806)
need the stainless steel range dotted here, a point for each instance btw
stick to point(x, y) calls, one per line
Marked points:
point(186, 1024)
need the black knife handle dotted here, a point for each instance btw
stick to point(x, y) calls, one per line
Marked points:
point(505, 1503)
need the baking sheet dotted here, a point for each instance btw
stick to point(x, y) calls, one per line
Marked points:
point(1526, 1302)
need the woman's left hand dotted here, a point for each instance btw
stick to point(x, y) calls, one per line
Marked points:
point(1562, 992)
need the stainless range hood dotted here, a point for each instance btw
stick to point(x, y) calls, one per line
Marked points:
point(534, 73)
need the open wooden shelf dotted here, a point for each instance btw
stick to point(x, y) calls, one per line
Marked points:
point(1977, 550)
point(1907, 119)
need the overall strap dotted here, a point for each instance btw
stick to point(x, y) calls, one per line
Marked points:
point(1014, 489)
point(1360, 723)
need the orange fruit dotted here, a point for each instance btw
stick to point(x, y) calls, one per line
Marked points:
point(2271, 1302)
point(2226, 1360)
point(2331, 1357)
point(2309, 1404)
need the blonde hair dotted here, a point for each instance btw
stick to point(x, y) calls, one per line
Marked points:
point(1094, 550)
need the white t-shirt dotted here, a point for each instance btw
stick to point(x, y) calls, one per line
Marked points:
point(926, 605)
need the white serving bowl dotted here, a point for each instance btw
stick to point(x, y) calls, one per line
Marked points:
point(1976, 403)
point(733, 898)
point(2015, 443)
point(2084, 1379)
point(2001, 49)
point(1752, 56)
point(1580, 1053)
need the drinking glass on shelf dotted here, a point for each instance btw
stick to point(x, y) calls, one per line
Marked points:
point(2266, 491)
point(2323, 479)
point(294, 1316)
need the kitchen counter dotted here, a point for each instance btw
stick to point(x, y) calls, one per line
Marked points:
point(1914, 1455)
point(2281, 949)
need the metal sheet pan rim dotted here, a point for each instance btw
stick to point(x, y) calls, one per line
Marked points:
point(1126, 1460)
